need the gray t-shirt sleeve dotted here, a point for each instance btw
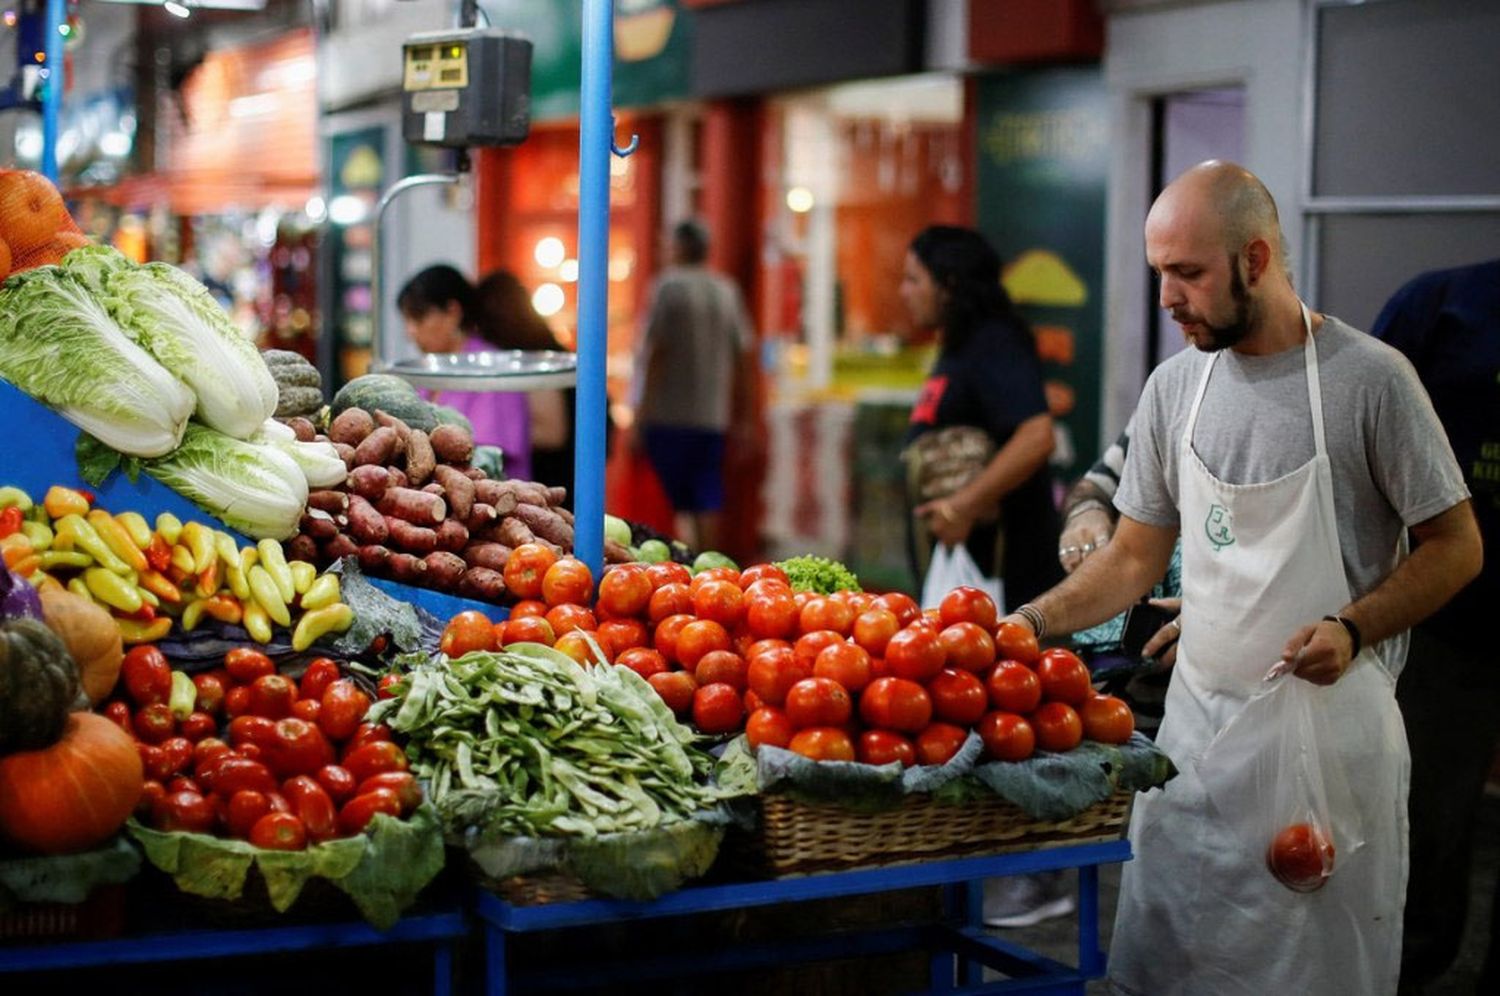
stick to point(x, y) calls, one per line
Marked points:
point(1147, 491)
point(1412, 461)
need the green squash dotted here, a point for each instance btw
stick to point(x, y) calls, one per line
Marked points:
point(39, 686)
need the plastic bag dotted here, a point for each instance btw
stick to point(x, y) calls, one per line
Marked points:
point(1274, 775)
point(953, 567)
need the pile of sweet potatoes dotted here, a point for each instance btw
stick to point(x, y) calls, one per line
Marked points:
point(414, 511)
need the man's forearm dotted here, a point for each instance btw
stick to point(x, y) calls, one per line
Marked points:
point(1448, 556)
point(1110, 581)
point(1086, 490)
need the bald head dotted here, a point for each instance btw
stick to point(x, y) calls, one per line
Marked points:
point(1229, 202)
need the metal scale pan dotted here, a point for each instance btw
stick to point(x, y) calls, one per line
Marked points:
point(507, 370)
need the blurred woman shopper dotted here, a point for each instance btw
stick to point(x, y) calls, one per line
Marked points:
point(441, 312)
point(983, 395)
point(506, 320)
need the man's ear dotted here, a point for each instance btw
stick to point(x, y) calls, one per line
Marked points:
point(1257, 257)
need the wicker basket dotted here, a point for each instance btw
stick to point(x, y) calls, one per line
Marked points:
point(798, 838)
point(541, 889)
point(100, 916)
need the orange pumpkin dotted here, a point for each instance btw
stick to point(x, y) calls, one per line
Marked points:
point(91, 636)
point(73, 795)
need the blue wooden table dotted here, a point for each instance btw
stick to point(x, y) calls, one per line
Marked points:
point(961, 948)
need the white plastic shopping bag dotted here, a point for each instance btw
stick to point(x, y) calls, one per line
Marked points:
point(953, 567)
point(1274, 774)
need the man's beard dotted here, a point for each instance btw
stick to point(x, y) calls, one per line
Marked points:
point(1217, 337)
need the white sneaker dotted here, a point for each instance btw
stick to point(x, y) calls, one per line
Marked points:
point(1026, 900)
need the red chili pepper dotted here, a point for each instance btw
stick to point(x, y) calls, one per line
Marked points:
point(146, 613)
point(10, 521)
point(88, 495)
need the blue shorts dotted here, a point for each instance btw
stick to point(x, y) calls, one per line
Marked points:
point(690, 464)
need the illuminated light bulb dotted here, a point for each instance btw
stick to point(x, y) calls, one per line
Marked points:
point(567, 271)
point(548, 300)
point(549, 252)
point(799, 199)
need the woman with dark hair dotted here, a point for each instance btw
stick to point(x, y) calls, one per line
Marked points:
point(988, 377)
point(442, 315)
point(507, 320)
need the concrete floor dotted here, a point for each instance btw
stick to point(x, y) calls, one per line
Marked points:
point(1058, 938)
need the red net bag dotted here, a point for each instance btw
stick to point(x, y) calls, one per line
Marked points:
point(35, 227)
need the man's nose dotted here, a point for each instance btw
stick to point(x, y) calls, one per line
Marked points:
point(1170, 293)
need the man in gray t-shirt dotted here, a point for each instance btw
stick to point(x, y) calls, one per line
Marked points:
point(1289, 453)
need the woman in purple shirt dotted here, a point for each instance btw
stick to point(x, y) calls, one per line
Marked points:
point(441, 312)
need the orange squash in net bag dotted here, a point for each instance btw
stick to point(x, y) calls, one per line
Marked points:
point(34, 221)
point(4, 259)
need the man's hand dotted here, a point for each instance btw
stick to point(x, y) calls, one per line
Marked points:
point(947, 519)
point(1164, 641)
point(1319, 653)
point(1085, 531)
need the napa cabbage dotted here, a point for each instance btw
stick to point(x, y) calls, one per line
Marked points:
point(253, 487)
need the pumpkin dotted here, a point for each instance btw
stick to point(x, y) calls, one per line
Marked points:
point(91, 636)
point(73, 795)
point(38, 685)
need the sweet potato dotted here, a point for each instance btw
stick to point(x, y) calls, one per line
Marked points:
point(489, 491)
point(420, 460)
point(434, 488)
point(403, 431)
point(458, 488)
point(417, 507)
point(319, 525)
point(345, 452)
point(545, 524)
point(413, 539)
point(304, 429)
point(369, 482)
point(473, 473)
point(452, 535)
point(351, 427)
point(565, 513)
point(557, 495)
point(452, 444)
point(302, 547)
point(480, 516)
point(398, 477)
point(512, 532)
point(444, 570)
point(530, 492)
point(616, 552)
point(406, 568)
point(491, 555)
point(372, 558)
point(339, 547)
point(378, 448)
point(366, 525)
point(332, 502)
point(481, 582)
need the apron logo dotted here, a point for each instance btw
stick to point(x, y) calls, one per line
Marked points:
point(1217, 527)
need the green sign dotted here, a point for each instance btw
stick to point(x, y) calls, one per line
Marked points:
point(652, 47)
point(1043, 165)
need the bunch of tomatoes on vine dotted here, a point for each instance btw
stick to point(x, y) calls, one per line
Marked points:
point(848, 676)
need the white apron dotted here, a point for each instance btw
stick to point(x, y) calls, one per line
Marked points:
point(1198, 913)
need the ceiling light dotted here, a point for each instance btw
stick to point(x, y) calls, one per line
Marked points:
point(176, 9)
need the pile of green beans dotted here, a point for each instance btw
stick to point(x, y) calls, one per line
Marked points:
point(526, 742)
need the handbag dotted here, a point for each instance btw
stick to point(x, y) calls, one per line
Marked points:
point(940, 462)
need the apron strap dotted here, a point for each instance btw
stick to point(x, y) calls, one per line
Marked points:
point(1314, 386)
point(1192, 419)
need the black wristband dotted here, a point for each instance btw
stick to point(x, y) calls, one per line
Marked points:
point(1353, 630)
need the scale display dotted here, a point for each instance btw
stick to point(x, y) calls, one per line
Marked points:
point(466, 87)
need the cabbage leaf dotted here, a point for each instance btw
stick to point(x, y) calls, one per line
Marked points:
point(256, 489)
point(177, 320)
point(60, 345)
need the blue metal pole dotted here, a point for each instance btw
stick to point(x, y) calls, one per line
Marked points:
point(595, 139)
point(52, 45)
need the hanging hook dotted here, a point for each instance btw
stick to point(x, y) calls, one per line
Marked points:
point(635, 141)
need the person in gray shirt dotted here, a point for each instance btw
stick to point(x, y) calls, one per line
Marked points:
point(1290, 453)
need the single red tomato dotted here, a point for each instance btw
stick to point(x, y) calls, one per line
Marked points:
point(765, 644)
point(768, 725)
point(668, 572)
point(1107, 719)
point(1301, 857)
point(1014, 642)
point(249, 729)
point(1057, 726)
point(177, 753)
point(575, 643)
point(624, 634)
point(968, 646)
point(698, 638)
point(237, 701)
point(403, 783)
point(528, 629)
point(1014, 687)
point(1064, 677)
point(818, 702)
point(896, 704)
point(901, 605)
point(567, 582)
point(885, 747)
point(386, 688)
point(717, 708)
point(279, 832)
point(272, 695)
point(772, 613)
point(825, 613)
point(625, 591)
point(721, 601)
point(466, 632)
point(344, 705)
point(771, 672)
point(939, 742)
point(311, 804)
point(154, 762)
point(958, 697)
point(242, 810)
point(367, 733)
point(810, 645)
point(823, 743)
point(664, 639)
point(672, 599)
point(232, 774)
point(714, 574)
point(915, 654)
point(298, 748)
point(146, 675)
point(182, 783)
point(210, 698)
point(846, 663)
point(185, 811)
point(525, 568)
point(118, 712)
point(676, 689)
point(760, 572)
point(207, 748)
point(860, 601)
point(528, 607)
point(318, 675)
point(154, 723)
point(279, 803)
point(337, 782)
point(1006, 736)
point(643, 661)
point(374, 759)
point(753, 702)
point(873, 629)
point(152, 792)
point(245, 664)
point(357, 813)
point(722, 666)
point(968, 605)
point(567, 617)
